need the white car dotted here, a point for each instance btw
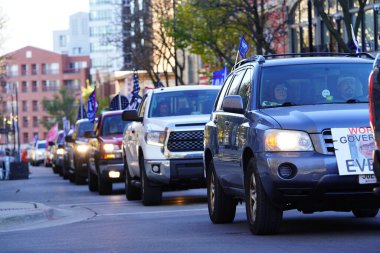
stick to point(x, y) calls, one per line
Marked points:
point(37, 153)
point(163, 146)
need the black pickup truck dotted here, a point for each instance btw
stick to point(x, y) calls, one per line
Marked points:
point(374, 114)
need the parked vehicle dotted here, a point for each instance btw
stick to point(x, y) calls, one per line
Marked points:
point(37, 152)
point(300, 149)
point(77, 151)
point(105, 155)
point(66, 158)
point(162, 147)
point(374, 115)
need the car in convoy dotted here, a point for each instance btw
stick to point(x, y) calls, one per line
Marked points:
point(58, 152)
point(105, 155)
point(37, 152)
point(163, 146)
point(291, 133)
point(77, 151)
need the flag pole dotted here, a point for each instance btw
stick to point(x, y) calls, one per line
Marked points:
point(237, 55)
point(81, 105)
point(119, 101)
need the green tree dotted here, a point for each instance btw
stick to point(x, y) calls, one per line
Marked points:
point(62, 105)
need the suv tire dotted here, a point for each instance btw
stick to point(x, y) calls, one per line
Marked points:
point(151, 196)
point(365, 212)
point(262, 216)
point(92, 181)
point(104, 187)
point(131, 192)
point(221, 207)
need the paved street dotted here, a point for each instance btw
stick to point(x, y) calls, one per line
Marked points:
point(93, 223)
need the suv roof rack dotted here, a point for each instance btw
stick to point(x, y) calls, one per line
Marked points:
point(361, 54)
point(258, 58)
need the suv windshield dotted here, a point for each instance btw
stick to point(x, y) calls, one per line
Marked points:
point(84, 127)
point(314, 84)
point(180, 103)
point(113, 124)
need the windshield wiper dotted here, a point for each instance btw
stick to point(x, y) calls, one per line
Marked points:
point(288, 104)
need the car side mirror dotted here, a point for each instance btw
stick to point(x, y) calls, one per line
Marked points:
point(233, 103)
point(89, 134)
point(131, 115)
point(69, 138)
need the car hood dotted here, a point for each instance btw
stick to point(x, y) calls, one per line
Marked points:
point(315, 118)
point(188, 121)
point(114, 138)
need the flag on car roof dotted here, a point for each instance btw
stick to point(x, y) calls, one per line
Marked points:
point(136, 85)
point(92, 106)
point(82, 114)
point(52, 134)
point(243, 47)
point(357, 46)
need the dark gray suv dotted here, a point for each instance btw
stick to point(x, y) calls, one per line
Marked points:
point(289, 133)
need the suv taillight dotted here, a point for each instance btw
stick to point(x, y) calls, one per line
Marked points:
point(370, 100)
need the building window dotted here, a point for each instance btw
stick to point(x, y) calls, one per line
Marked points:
point(35, 105)
point(34, 69)
point(25, 106)
point(28, 54)
point(62, 41)
point(24, 86)
point(24, 69)
point(26, 137)
point(25, 121)
point(35, 121)
point(34, 86)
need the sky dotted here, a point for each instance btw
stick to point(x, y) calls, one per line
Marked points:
point(32, 22)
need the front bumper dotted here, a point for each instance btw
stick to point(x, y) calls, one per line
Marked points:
point(316, 186)
point(185, 172)
point(112, 170)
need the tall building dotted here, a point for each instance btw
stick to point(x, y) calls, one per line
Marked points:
point(75, 40)
point(31, 74)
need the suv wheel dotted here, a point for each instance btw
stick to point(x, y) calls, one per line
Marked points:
point(365, 212)
point(131, 192)
point(262, 216)
point(104, 186)
point(151, 196)
point(92, 181)
point(221, 207)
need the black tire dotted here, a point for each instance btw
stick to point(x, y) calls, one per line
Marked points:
point(92, 181)
point(78, 179)
point(104, 187)
point(263, 217)
point(150, 195)
point(365, 212)
point(131, 192)
point(221, 207)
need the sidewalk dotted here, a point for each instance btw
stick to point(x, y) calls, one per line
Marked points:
point(29, 215)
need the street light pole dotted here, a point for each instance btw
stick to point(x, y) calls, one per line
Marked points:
point(17, 124)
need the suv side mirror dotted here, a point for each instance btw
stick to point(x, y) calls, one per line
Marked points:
point(89, 134)
point(131, 115)
point(233, 103)
point(69, 138)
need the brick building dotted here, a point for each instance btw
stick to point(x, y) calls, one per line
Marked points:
point(37, 74)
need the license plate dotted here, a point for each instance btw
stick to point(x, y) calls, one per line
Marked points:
point(367, 179)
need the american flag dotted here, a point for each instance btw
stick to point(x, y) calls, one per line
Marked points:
point(136, 85)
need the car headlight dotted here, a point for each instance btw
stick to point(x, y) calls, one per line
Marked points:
point(155, 138)
point(287, 140)
point(109, 147)
point(60, 151)
point(82, 148)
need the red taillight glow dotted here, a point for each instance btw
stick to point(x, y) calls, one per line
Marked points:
point(370, 100)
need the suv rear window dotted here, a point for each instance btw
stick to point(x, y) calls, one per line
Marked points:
point(181, 103)
point(314, 84)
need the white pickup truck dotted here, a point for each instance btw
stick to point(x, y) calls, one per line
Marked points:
point(163, 145)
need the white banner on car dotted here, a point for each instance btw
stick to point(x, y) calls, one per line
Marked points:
point(353, 150)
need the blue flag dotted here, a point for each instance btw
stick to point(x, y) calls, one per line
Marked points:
point(136, 85)
point(219, 76)
point(243, 46)
point(81, 111)
point(92, 106)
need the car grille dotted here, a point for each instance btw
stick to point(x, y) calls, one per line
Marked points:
point(185, 141)
point(329, 144)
